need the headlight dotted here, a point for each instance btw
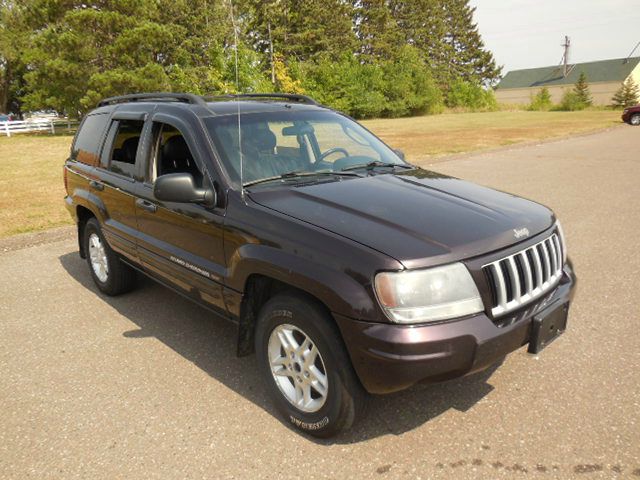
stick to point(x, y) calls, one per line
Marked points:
point(428, 295)
point(563, 242)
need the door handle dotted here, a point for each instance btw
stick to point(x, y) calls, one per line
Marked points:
point(145, 205)
point(96, 185)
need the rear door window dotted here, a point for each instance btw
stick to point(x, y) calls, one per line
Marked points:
point(124, 136)
point(86, 146)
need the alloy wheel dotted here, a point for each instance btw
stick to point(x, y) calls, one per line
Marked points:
point(98, 257)
point(298, 368)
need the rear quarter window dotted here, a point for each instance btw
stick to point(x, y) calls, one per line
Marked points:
point(86, 146)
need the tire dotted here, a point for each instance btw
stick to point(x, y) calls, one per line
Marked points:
point(635, 119)
point(110, 274)
point(344, 398)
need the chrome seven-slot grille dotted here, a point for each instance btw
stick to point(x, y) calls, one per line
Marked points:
point(524, 276)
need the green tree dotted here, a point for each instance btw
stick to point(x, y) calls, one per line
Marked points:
point(299, 29)
point(13, 38)
point(571, 102)
point(377, 28)
point(367, 57)
point(345, 84)
point(81, 53)
point(409, 88)
point(467, 95)
point(581, 89)
point(541, 101)
point(627, 95)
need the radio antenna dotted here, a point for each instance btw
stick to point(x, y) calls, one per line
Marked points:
point(235, 54)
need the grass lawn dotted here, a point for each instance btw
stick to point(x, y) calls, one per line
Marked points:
point(424, 139)
point(31, 188)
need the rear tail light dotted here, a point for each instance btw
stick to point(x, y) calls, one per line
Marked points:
point(64, 176)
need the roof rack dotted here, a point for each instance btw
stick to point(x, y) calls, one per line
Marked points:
point(291, 97)
point(162, 96)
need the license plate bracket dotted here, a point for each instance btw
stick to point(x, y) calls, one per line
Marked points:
point(547, 326)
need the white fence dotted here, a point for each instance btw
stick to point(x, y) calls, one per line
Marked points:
point(24, 126)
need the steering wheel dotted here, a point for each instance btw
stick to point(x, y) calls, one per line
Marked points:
point(331, 151)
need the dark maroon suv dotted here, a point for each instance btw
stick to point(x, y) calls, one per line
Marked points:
point(347, 270)
point(631, 115)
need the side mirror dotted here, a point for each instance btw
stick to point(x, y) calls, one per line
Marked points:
point(179, 187)
point(399, 153)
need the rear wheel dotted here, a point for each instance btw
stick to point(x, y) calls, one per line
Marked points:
point(635, 119)
point(308, 372)
point(109, 274)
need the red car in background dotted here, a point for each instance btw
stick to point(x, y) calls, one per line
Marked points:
point(631, 115)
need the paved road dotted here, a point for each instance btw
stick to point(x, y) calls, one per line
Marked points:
point(147, 386)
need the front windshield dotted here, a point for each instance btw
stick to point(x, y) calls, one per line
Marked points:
point(277, 143)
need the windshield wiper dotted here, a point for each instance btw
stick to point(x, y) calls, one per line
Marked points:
point(297, 174)
point(377, 163)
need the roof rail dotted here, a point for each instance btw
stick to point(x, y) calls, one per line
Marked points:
point(291, 97)
point(162, 96)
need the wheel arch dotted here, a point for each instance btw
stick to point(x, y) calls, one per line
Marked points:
point(259, 289)
point(83, 214)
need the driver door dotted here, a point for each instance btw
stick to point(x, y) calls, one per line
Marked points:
point(180, 243)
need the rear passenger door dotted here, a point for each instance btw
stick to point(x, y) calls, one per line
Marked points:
point(180, 243)
point(119, 168)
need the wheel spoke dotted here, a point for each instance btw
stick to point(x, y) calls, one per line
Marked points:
point(287, 339)
point(310, 356)
point(306, 391)
point(299, 395)
point(304, 346)
point(319, 380)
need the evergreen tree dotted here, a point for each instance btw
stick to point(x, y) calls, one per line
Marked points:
point(581, 89)
point(463, 47)
point(445, 33)
point(300, 30)
point(627, 95)
point(378, 31)
point(542, 100)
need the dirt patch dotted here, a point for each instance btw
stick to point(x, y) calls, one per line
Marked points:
point(26, 240)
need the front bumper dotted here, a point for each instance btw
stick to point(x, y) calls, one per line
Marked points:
point(389, 357)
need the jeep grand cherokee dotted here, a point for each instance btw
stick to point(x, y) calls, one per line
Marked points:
point(347, 269)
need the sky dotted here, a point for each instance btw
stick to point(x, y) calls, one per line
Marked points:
point(529, 33)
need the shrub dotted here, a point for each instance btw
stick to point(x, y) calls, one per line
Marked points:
point(468, 95)
point(409, 88)
point(571, 102)
point(542, 101)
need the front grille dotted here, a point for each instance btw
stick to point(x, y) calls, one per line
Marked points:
point(524, 276)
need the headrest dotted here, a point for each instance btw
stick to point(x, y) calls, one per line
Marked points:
point(176, 148)
point(129, 149)
point(264, 140)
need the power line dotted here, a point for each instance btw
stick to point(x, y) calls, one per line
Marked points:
point(634, 49)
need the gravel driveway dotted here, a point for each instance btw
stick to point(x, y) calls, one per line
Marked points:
point(147, 385)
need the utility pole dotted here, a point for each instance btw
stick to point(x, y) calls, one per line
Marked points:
point(565, 56)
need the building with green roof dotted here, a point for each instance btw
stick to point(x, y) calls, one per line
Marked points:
point(604, 77)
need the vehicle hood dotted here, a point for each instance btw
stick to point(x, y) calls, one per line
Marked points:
point(420, 218)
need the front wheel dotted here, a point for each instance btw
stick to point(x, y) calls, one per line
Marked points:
point(307, 370)
point(635, 119)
